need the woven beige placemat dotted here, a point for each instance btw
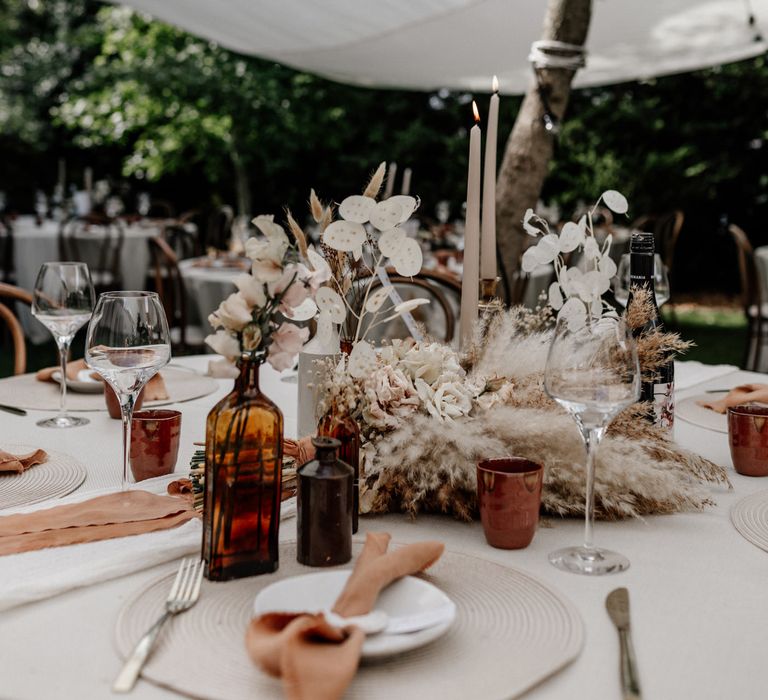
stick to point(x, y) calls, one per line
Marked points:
point(750, 517)
point(25, 391)
point(58, 476)
point(510, 633)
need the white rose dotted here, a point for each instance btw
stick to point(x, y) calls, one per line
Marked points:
point(267, 255)
point(224, 343)
point(448, 401)
point(251, 289)
point(234, 313)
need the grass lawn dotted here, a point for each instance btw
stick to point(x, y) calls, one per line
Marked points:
point(720, 333)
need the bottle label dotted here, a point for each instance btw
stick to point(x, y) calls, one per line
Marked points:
point(664, 405)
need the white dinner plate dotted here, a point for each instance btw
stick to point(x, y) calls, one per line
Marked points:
point(690, 411)
point(319, 591)
point(85, 383)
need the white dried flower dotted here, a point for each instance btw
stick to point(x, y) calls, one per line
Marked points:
point(448, 401)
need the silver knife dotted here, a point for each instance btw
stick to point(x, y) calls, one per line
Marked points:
point(13, 409)
point(617, 604)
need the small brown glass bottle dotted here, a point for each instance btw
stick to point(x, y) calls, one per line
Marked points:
point(337, 423)
point(324, 507)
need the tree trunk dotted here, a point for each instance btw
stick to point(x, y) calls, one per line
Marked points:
point(242, 186)
point(529, 147)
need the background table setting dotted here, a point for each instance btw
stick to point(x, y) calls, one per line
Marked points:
point(36, 243)
point(692, 577)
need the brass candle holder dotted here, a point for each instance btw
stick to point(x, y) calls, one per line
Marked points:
point(489, 304)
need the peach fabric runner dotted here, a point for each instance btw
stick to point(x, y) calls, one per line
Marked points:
point(20, 463)
point(101, 518)
point(746, 393)
point(316, 660)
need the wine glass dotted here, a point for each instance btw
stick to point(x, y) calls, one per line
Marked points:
point(63, 303)
point(622, 282)
point(592, 371)
point(127, 344)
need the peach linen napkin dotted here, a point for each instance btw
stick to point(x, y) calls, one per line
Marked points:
point(155, 389)
point(316, 660)
point(746, 393)
point(73, 369)
point(302, 450)
point(104, 517)
point(20, 463)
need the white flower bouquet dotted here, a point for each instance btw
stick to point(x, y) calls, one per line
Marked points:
point(258, 319)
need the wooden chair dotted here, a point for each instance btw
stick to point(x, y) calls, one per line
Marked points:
point(160, 209)
point(169, 285)
point(7, 272)
point(98, 241)
point(439, 317)
point(755, 306)
point(12, 294)
point(219, 228)
point(182, 241)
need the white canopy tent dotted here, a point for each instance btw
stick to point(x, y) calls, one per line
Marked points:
point(460, 44)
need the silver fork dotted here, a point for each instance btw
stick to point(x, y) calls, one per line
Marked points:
point(184, 594)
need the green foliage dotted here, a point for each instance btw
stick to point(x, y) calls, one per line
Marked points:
point(693, 141)
point(177, 109)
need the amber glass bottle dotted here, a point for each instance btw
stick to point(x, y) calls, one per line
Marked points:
point(337, 423)
point(243, 470)
point(324, 508)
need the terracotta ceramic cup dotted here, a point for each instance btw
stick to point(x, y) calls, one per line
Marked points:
point(154, 442)
point(509, 497)
point(748, 438)
point(113, 404)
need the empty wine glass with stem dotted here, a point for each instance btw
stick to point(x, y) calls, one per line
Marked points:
point(63, 303)
point(127, 344)
point(622, 282)
point(592, 371)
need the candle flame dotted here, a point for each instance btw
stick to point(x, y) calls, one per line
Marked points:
point(476, 112)
point(495, 84)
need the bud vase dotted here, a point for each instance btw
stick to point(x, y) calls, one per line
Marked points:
point(338, 423)
point(243, 472)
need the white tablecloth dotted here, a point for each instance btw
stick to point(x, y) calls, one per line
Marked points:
point(206, 288)
point(33, 245)
point(698, 589)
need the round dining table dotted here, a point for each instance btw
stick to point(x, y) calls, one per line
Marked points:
point(208, 282)
point(698, 589)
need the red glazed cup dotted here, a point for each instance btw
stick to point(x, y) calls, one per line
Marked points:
point(748, 439)
point(154, 442)
point(509, 497)
point(113, 404)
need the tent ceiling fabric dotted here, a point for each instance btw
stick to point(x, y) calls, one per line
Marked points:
point(460, 44)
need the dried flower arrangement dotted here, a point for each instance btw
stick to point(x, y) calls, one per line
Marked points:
point(357, 247)
point(576, 294)
point(427, 413)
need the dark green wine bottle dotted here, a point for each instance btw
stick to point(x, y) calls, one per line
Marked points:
point(660, 391)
